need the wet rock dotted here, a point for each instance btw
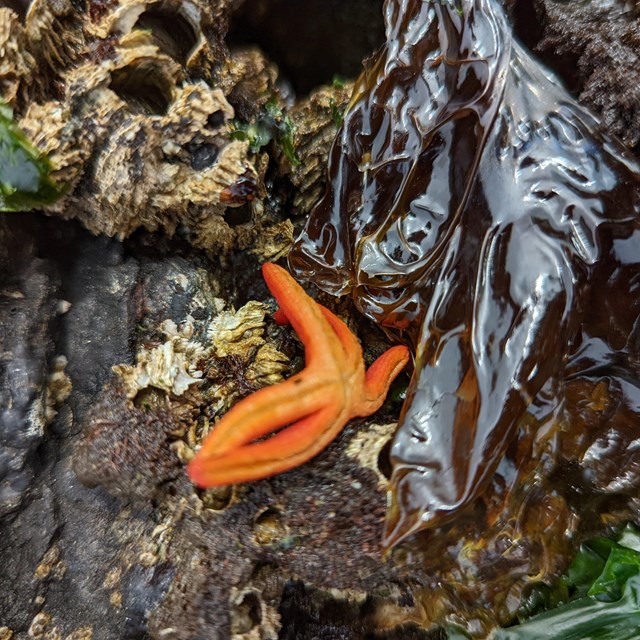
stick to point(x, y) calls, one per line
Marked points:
point(59, 541)
point(99, 283)
point(36, 524)
point(28, 298)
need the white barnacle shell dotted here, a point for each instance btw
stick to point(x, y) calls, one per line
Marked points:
point(163, 367)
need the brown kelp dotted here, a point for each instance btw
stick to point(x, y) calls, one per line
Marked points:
point(476, 210)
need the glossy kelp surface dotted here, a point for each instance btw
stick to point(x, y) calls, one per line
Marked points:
point(475, 210)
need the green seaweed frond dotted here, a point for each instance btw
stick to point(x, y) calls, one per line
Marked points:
point(272, 125)
point(597, 599)
point(337, 114)
point(338, 81)
point(25, 182)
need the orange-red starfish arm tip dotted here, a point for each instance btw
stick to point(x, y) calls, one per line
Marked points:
point(316, 403)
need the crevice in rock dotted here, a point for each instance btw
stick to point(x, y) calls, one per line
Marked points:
point(311, 41)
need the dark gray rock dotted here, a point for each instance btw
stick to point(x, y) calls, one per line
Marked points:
point(28, 297)
point(59, 540)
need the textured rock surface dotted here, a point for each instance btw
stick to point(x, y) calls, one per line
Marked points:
point(28, 299)
point(60, 545)
point(293, 557)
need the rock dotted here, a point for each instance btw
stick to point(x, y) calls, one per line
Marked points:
point(594, 47)
point(295, 556)
point(28, 296)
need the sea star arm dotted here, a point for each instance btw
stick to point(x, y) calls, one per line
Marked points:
point(347, 339)
point(268, 410)
point(380, 375)
point(319, 401)
point(286, 450)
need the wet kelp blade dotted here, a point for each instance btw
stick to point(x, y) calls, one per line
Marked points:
point(585, 619)
point(24, 173)
point(603, 584)
point(475, 210)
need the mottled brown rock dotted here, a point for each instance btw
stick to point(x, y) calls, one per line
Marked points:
point(125, 448)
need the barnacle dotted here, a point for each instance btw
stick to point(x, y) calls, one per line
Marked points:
point(171, 393)
point(163, 367)
point(317, 120)
point(54, 34)
point(129, 123)
point(16, 63)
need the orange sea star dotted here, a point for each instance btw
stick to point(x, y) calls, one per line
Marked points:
point(316, 403)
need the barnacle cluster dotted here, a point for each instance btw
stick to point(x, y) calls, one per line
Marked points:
point(132, 103)
point(174, 393)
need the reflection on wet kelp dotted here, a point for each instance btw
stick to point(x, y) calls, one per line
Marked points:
point(476, 210)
